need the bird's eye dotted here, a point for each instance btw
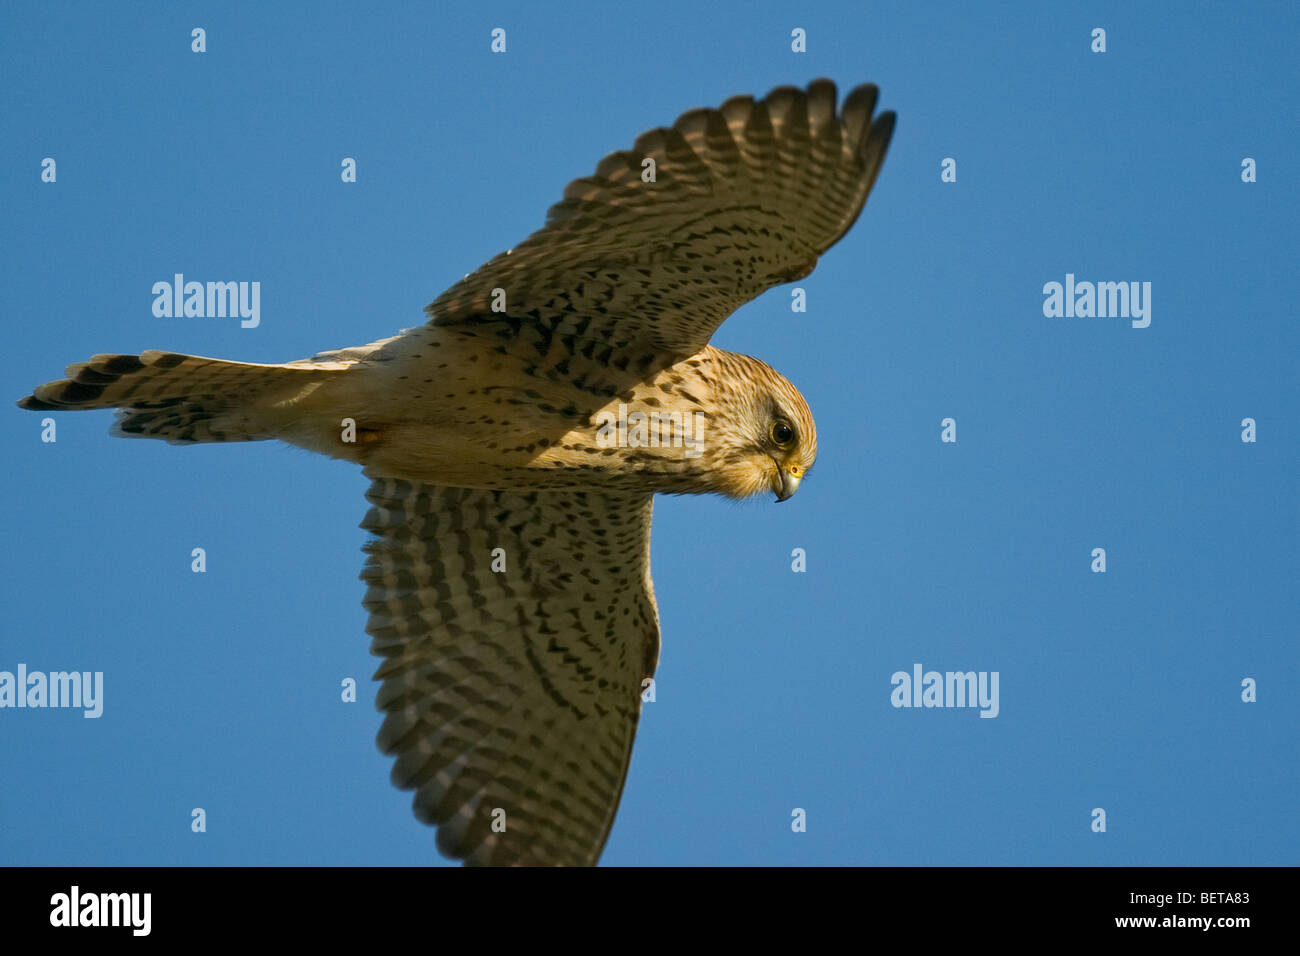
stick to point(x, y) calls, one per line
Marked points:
point(782, 433)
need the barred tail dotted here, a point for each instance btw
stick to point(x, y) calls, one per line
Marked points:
point(185, 398)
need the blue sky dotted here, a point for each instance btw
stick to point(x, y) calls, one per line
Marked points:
point(1119, 690)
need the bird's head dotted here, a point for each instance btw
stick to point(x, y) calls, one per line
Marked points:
point(768, 438)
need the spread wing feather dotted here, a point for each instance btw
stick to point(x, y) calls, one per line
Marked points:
point(512, 695)
point(743, 197)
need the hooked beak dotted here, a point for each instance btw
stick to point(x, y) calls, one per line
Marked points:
point(789, 484)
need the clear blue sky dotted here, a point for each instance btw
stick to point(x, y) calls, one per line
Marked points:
point(1119, 690)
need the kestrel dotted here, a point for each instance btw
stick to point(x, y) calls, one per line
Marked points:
point(515, 442)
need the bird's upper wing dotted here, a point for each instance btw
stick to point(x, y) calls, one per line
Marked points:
point(743, 198)
point(512, 696)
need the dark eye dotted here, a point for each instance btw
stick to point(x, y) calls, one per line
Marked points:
point(782, 433)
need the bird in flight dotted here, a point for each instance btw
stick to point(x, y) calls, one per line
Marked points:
point(515, 441)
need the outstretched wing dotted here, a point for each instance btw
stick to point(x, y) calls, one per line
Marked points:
point(512, 694)
point(742, 198)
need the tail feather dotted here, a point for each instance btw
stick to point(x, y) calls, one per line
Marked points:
point(183, 398)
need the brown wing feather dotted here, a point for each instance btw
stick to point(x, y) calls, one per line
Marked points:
point(745, 197)
point(516, 690)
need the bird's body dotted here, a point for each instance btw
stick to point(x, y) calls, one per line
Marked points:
point(515, 442)
point(476, 420)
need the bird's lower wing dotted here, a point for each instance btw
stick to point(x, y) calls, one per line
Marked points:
point(516, 629)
